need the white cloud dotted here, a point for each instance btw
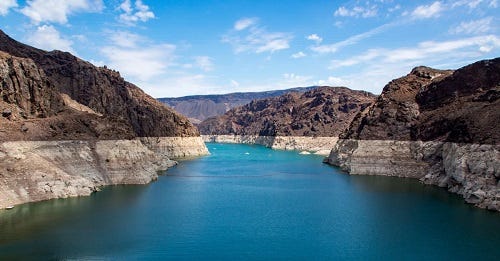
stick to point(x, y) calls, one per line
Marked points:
point(295, 80)
point(333, 81)
point(135, 13)
point(469, 3)
point(58, 10)
point(244, 23)
point(473, 27)
point(425, 52)
point(298, 55)
point(472, 4)
point(253, 38)
point(125, 39)
point(204, 62)
point(332, 48)
point(5, 5)
point(314, 37)
point(234, 84)
point(379, 66)
point(357, 11)
point(48, 38)
point(138, 58)
point(428, 11)
point(394, 8)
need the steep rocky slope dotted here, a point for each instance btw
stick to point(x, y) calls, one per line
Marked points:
point(32, 88)
point(433, 125)
point(67, 127)
point(324, 111)
point(200, 107)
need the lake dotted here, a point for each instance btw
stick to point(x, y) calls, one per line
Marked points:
point(252, 203)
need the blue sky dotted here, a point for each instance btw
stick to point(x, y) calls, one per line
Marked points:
point(184, 47)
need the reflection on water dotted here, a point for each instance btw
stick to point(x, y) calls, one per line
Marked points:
point(261, 205)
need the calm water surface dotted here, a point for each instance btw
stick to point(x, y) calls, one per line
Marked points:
point(252, 203)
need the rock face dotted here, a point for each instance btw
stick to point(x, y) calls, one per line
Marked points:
point(40, 170)
point(68, 127)
point(430, 105)
point(200, 107)
point(436, 126)
point(33, 82)
point(322, 112)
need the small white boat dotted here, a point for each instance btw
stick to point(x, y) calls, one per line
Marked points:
point(9, 207)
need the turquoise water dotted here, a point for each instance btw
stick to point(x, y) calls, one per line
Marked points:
point(252, 203)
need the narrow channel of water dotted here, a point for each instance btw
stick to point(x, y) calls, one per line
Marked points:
point(253, 203)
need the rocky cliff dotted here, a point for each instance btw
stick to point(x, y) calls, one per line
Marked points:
point(34, 81)
point(323, 112)
point(68, 127)
point(433, 125)
point(200, 107)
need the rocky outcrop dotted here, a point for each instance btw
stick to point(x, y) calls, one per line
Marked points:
point(322, 112)
point(315, 145)
point(68, 127)
point(200, 107)
point(130, 112)
point(433, 125)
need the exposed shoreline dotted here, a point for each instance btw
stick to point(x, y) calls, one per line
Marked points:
point(470, 170)
point(41, 170)
point(313, 145)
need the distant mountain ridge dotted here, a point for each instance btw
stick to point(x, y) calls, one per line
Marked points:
point(200, 107)
point(323, 111)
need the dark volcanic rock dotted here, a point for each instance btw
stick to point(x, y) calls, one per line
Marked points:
point(33, 82)
point(394, 113)
point(324, 111)
point(429, 104)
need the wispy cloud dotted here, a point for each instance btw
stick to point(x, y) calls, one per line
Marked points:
point(425, 51)
point(473, 27)
point(137, 57)
point(57, 11)
point(332, 48)
point(135, 13)
point(244, 23)
point(5, 5)
point(205, 63)
point(315, 38)
point(248, 36)
point(333, 81)
point(428, 11)
point(298, 55)
point(356, 11)
point(48, 38)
